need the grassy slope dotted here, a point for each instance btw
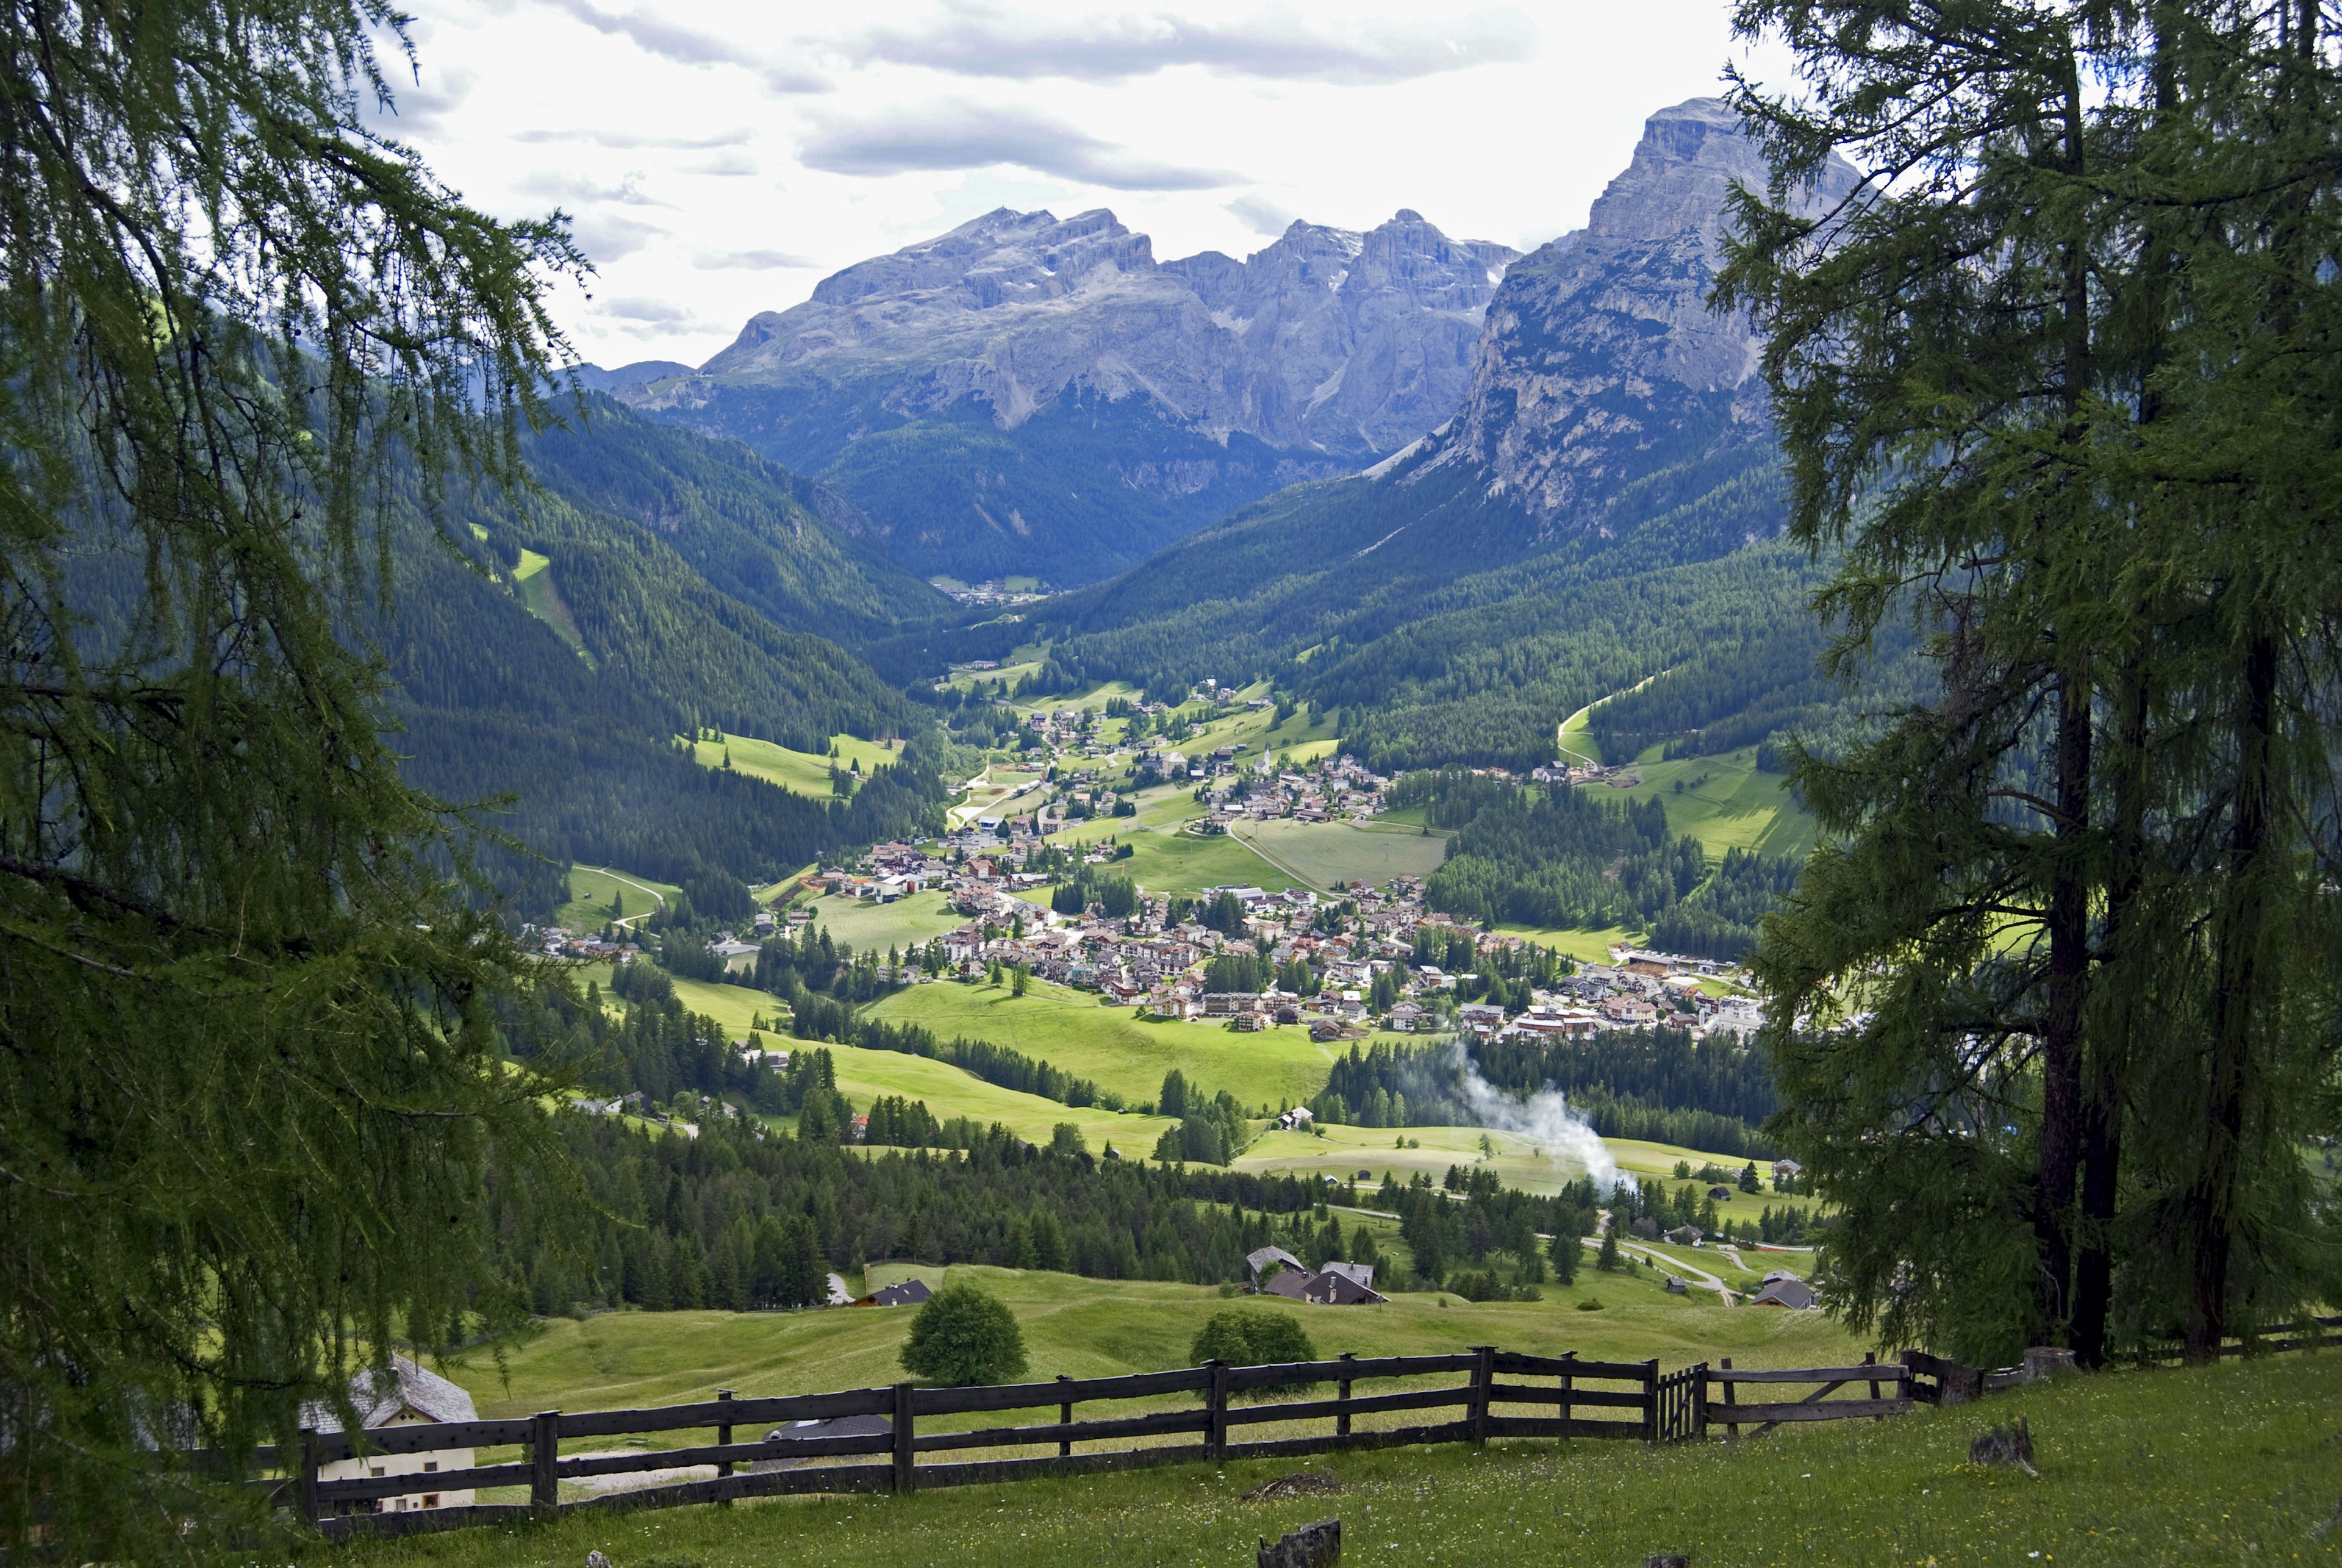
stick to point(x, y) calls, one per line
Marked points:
point(544, 600)
point(1519, 1162)
point(1737, 808)
point(906, 923)
point(948, 1090)
point(1110, 1045)
point(1102, 1328)
point(1319, 854)
point(2231, 1464)
point(591, 889)
point(800, 773)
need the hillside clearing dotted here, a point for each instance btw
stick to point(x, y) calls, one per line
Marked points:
point(1726, 802)
point(799, 772)
point(1111, 1046)
point(875, 927)
point(1320, 854)
point(594, 891)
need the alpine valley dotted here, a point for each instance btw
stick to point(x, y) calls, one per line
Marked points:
point(1439, 495)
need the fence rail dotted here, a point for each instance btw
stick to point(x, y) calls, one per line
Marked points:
point(889, 1449)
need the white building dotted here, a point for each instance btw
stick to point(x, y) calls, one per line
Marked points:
point(405, 1397)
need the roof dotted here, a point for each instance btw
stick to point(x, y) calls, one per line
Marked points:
point(1359, 1274)
point(1794, 1293)
point(379, 1397)
point(1293, 1283)
point(910, 1293)
point(1267, 1255)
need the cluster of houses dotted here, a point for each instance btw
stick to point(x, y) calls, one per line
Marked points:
point(1149, 961)
point(1272, 1271)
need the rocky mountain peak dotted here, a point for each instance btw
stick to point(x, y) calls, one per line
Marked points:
point(1601, 362)
point(1678, 178)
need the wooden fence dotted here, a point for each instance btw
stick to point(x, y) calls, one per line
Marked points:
point(910, 1436)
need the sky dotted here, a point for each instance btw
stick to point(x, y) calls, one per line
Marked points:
point(717, 160)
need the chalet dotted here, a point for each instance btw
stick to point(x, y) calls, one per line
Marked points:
point(1230, 1004)
point(1294, 1120)
point(1686, 1235)
point(403, 1396)
point(1786, 1291)
point(1720, 1193)
point(1481, 1017)
point(1266, 1258)
point(910, 1293)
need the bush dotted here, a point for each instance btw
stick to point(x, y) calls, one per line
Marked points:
point(1252, 1337)
point(965, 1335)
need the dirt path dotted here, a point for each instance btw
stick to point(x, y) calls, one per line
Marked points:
point(625, 920)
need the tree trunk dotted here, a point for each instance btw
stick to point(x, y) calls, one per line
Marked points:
point(2212, 1197)
point(2109, 1046)
point(2061, 1034)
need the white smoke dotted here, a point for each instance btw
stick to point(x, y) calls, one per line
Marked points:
point(1544, 1119)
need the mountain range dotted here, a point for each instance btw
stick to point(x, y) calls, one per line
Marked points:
point(1035, 395)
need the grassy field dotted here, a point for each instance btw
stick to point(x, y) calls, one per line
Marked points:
point(863, 1075)
point(1320, 854)
point(1588, 946)
point(906, 923)
point(1519, 1162)
point(1727, 804)
point(1110, 1045)
point(591, 889)
point(2231, 1464)
point(799, 772)
point(1105, 1328)
point(543, 600)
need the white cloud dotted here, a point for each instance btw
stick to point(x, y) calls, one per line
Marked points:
point(656, 34)
point(1260, 216)
point(1276, 43)
point(607, 238)
point(747, 261)
point(953, 134)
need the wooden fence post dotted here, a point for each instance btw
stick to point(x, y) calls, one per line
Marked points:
point(723, 1435)
point(1484, 1373)
point(1064, 1418)
point(1731, 1398)
point(306, 1482)
point(1870, 1358)
point(545, 1462)
point(1651, 1400)
point(1215, 1412)
point(1699, 1402)
point(905, 1456)
point(1342, 1421)
point(1568, 1386)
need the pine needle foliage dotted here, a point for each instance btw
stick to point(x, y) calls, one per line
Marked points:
point(2054, 1004)
point(249, 1078)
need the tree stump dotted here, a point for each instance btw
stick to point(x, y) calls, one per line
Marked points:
point(1317, 1545)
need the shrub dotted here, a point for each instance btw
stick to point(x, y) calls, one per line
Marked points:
point(965, 1335)
point(1252, 1337)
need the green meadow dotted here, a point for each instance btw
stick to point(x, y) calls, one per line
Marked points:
point(594, 890)
point(1726, 802)
point(2231, 1464)
point(534, 583)
point(1518, 1161)
point(799, 772)
point(1072, 1030)
point(948, 1090)
point(1320, 854)
point(1106, 1328)
point(870, 926)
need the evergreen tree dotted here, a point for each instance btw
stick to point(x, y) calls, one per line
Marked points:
point(2031, 396)
point(246, 338)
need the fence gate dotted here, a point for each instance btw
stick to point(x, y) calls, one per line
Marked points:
point(1679, 1405)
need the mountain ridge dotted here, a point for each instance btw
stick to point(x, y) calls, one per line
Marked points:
point(1046, 397)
